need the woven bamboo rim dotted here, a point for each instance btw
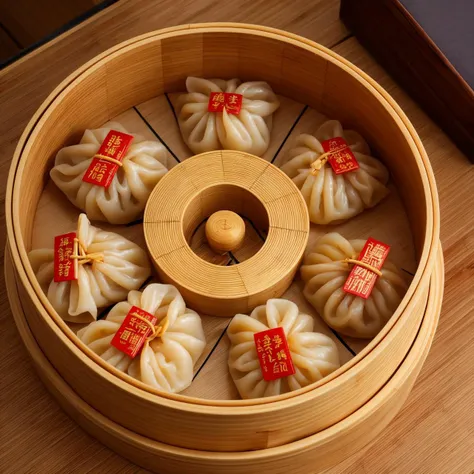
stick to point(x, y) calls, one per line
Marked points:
point(238, 182)
point(49, 325)
point(318, 451)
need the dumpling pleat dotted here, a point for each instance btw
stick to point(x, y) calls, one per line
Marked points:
point(325, 274)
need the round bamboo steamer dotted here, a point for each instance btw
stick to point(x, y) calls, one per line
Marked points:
point(299, 69)
point(309, 455)
point(239, 182)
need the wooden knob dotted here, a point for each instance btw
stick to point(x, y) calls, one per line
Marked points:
point(225, 230)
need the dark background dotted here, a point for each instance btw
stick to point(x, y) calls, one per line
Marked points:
point(26, 24)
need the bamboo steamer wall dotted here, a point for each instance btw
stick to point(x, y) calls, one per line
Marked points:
point(159, 62)
point(306, 456)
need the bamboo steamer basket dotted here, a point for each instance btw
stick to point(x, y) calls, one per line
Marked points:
point(158, 62)
point(306, 456)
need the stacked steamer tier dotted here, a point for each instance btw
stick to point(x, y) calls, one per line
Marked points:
point(206, 429)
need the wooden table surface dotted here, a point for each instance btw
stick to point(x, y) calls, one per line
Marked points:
point(434, 432)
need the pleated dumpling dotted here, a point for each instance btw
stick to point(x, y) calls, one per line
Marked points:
point(124, 200)
point(166, 362)
point(331, 197)
point(314, 355)
point(119, 266)
point(248, 131)
point(324, 273)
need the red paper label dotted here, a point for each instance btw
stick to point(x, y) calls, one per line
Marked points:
point(273, 354)
point(361, 281)
point(64, 269)
point(101, 172)
point(216, 102)
point(133, 332)
point(341, 158)
point(231, 102)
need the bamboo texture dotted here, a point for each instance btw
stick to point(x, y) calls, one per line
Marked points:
point(244, 184)
point(309, 455)
point(296, 68)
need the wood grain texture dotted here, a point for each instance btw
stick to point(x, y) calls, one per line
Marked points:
point(215, 372)
point(399, 42)
point(29, 21)
point(432, 433)
point(230, 180)
point(190, 422)
point(308, 455)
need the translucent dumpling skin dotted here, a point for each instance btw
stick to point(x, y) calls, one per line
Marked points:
point(124, 267)
point(314, 355)
point(249, 131)
point(324, 274)
point(330, 197)
point(167, 363)
point(124, 200)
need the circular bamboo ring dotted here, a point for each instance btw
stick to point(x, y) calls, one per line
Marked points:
point(238, 182)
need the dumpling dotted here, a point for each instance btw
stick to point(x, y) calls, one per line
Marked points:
point(123, 266)
point(124, 200)
point(324, 274)
point(167, 362)
point(248, 131)
point(331, 197)
point(314, 355)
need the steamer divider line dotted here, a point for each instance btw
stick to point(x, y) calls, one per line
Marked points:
point(254, 227)
point(156, 133)
point(233, 261)
point(305, 108)
point(168, 253)
point(293, 193)
point(171, 107)
point(131, 224)
point(197, 228)
point(212, 350)
point(258, 177)
point(342, 341)
point(338, 336)
point(286, 228)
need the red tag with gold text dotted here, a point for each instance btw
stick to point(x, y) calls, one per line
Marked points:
point(341, 158)
point(133, 332)
point(220, 100)
point(361, 281)
point(101, 172)
point(216, 102)
point(273, 354)
point(233, 103)
point(63, 263)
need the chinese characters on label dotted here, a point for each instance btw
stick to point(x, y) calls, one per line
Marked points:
point(361, 281)
point(64, 269)
point(220, 100)
point(273, 354)
point(101, 172)
point(133, 332)
point(341, 158)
